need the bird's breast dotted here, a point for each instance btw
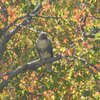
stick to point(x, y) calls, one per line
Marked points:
point(43, 44)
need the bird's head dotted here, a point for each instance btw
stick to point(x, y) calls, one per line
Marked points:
point(42, 35)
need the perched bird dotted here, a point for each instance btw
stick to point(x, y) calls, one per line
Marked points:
point(44, 48)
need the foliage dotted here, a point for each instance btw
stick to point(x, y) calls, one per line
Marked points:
point(73, 27)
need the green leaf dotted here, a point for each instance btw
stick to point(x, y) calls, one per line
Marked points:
point(86, 93)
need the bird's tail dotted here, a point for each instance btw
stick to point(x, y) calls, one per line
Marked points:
point(49, 67)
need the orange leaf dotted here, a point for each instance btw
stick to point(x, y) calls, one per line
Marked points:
point(87, 45)
point(3, 1)
point(30, 88)
point(4, 19)
point(45, 93)
point(49, 30)
point(93, 69)
point(98, 65)
point(76, 43)
point(5, 77)
point(65, 40)
point(68, 52)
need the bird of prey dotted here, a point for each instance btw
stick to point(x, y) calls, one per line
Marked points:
point(44, 48)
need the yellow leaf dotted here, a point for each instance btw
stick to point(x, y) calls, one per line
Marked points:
point(57, 27)
point(62, 49)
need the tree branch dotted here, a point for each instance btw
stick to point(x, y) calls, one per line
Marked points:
point(90, 71)
point(29, 66)
point(24, 23)
point(21, 17)
point(48, 17)
point(35, 65)
point(18, 27)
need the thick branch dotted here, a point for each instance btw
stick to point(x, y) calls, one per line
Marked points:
point(13, 32)
point(35, 65)
point(18, 27)
point(24, 23)
point(29, 66)
point(17, 19)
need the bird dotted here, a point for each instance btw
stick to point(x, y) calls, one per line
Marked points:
point(44, 49)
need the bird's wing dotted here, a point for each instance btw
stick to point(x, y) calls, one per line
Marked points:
point(37, 48)
point(50, 49)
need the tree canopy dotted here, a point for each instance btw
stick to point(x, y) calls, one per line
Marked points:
point(73, 26)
